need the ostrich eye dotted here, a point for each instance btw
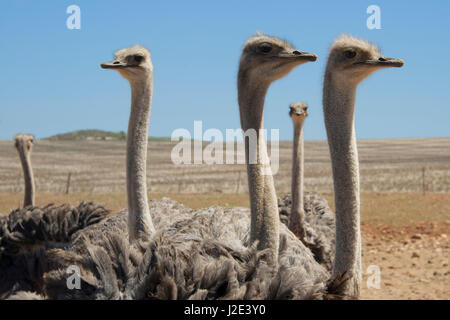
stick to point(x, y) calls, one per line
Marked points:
point(265, 48)
point(306, 108)
point(350, 54)
point(138, 58)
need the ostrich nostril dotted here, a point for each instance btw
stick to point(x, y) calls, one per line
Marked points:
point(116, 62)
point(382, 59)
point(296, 52)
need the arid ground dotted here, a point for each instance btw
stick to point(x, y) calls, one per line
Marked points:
point(405, 196)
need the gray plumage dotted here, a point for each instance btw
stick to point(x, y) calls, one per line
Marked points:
point(191, 256)
point(27, 234)
point(319, 226)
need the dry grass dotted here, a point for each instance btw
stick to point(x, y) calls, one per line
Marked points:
point(98, 167)
point(376, 209)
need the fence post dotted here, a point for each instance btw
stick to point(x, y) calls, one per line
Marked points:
point(423, 181)
point(68, 183)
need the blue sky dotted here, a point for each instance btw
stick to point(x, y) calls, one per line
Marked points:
point(51, 81)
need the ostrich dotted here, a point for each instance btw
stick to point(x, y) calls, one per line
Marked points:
point(135, 65)
point(263, 61)
point(351, 60)
point(26, 234)
point(298, 113)
point(24, 143)
point(307, 214)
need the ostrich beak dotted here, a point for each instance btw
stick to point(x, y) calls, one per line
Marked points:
point(113, 65)
point(298, 55)
point(295, 111)
point(384, 62)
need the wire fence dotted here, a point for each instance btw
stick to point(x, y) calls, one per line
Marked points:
point(412, 180)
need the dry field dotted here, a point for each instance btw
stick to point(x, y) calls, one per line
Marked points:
point(405, 233)
point(387, 166)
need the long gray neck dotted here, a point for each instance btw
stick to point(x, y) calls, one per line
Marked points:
point(264, 226)
point(297, 218)
point(338, 103)
point(139, 219)
point(25, 159)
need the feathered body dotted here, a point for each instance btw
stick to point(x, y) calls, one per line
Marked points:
point(319, 224)
point(202, 254)
point(27, 234)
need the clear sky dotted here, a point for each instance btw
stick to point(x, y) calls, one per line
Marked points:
point(51, 81)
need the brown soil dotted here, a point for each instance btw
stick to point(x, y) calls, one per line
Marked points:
point(413, 260)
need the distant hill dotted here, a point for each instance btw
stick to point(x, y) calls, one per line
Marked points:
point(96, 135)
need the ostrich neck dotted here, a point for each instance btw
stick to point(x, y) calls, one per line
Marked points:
point(28, 177)
point(139, 219)
point(297, 211)
point(339, 103)
point(264, 226)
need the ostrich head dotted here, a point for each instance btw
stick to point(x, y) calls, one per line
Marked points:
point(298, 111)
point(268, 58)
point(133, 63)
point(354, 59)
point(24, 143)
